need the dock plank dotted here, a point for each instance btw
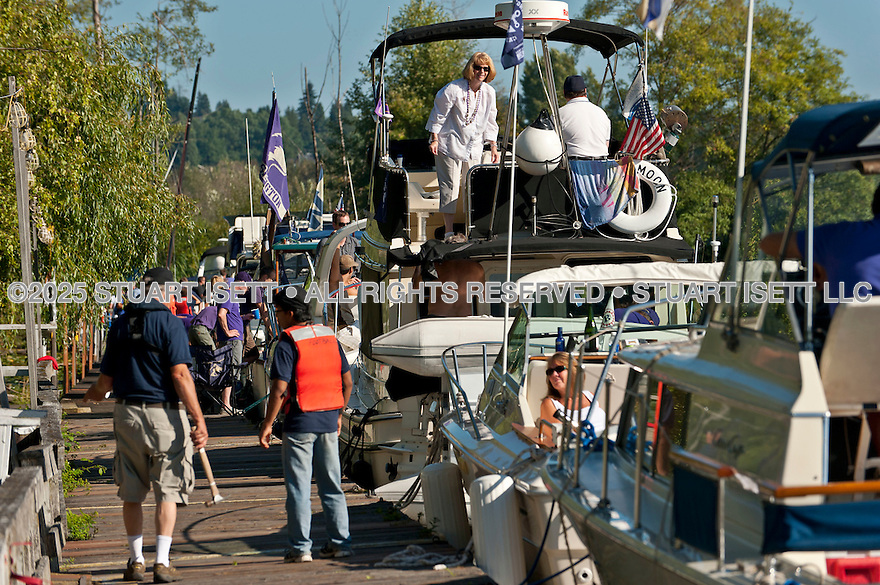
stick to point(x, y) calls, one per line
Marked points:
point(241, 539)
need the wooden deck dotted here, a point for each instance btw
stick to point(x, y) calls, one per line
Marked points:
point(242, 539)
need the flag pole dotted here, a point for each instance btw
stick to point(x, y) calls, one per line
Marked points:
point(247, 139)
point(741, 160)
point(512, 55)
point(513, 92)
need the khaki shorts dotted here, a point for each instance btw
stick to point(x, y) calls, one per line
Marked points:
point(153, 449)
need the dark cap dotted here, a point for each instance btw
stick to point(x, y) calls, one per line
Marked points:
point(158, 274)
point(574, 84)
point(290, 298)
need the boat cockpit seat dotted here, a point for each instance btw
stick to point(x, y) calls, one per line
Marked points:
point(848, 367)
point(422, 199)
point(536, 390)
point(849, 374)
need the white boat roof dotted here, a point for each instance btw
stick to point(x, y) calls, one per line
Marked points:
point(621, 274)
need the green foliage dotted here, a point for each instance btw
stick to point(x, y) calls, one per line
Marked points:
point(98, 123)
point(168, 38)
point(699, 67)
point(414, 75)
point(531, 97)
point(81, 526)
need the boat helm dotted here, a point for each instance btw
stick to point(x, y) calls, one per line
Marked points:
point(650, 177)
point(538, 148)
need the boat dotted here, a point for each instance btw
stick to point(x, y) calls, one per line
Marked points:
point(389, 429)
point(503, 435)
point(743, 455)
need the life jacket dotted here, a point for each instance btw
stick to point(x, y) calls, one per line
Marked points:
point(318, 372)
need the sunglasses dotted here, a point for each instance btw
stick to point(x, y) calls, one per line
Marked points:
point(342, 225)
point(479, 68)
point(557, 369)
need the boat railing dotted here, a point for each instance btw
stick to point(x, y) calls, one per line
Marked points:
point(575, 384)
point(459, 395)
point(769, 492)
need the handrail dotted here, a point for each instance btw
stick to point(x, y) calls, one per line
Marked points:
point(453, 378)
point(828, 489)
point(708, 467)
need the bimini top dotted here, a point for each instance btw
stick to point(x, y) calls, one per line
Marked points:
point(605, 38)
point(839, 135)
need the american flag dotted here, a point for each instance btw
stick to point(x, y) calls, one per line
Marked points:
point(644, 135)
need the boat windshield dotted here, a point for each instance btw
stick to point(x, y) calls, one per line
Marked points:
point(765, 298)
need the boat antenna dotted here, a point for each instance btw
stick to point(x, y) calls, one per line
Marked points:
point(169, 259)
point(741, 167)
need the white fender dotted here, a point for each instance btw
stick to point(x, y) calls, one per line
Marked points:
point(662, 189)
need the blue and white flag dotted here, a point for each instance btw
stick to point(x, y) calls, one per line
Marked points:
point(316, 211)
point(274, 168)
point(514, 50)
point(653, 14)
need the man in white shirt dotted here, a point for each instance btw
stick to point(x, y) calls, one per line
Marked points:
point(586, 129)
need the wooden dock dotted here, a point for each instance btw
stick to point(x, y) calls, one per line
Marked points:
point(242, 539)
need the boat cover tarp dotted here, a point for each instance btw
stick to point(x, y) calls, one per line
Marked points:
point(825, 527)
point(836, 131)
point(632, 251)
point(628, 273)
point(695, 509)
point(605, 38)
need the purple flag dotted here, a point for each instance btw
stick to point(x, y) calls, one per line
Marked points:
point(514, 52)
point(274, 168)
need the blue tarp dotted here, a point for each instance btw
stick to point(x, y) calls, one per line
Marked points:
point(831, 527)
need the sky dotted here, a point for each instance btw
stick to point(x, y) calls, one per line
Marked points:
point(256, 39)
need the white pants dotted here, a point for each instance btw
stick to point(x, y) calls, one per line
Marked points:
point(449, 177)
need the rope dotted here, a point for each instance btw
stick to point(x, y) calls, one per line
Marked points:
point(414, 556)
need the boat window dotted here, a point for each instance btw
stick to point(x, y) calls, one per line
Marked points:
point(499, 402)
point(667, 415)
point(838, 197)
point(749, 278)
point(750, 440)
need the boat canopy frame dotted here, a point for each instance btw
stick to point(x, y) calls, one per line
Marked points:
point(607, 39)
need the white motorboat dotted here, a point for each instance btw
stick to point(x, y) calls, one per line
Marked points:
point(502, 437)
point(743, 456)
point(390, 428)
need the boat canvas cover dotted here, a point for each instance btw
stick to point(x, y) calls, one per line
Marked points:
point(840, 526)
point(621, 274)
point(840, 131)
point(605, 38)
point(436, 251)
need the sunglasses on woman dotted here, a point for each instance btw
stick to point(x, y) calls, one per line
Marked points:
point(478, 68)
point(557, 369)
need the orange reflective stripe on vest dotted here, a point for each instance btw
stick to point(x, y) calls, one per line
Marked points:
point(318, 372)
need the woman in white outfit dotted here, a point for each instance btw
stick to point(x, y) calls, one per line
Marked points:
point(557, 376)
point(462, 120)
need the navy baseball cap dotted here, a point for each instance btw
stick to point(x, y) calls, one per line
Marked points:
point(574, 84)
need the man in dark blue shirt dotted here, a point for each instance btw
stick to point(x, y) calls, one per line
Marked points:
point(312, 382)
point(146, 365)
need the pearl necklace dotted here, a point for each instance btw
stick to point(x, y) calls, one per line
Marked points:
point(467, 113)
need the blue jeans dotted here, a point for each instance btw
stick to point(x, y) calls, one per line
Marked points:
point(299, 452)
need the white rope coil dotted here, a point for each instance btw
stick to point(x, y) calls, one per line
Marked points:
point(414, 556)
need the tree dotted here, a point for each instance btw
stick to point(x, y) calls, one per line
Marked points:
point(414, 75)
point(169, 37)
point(699, 67)
point(98, 187)
point(203, 105)
point(531, 96)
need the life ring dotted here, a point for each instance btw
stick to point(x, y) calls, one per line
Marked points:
point(661, 204)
